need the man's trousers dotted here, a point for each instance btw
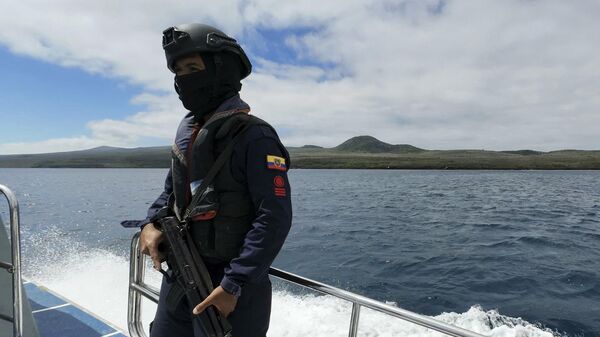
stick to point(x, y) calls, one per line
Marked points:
point(249, 319)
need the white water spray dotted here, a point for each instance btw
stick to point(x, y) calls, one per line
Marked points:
point(98, 279)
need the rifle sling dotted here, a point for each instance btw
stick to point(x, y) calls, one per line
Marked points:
point(214, 170)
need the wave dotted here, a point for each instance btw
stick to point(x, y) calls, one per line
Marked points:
point(98, 279)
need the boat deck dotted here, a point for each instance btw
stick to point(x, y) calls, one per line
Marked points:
point(56, 316)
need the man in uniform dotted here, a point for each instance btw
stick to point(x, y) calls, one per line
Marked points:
point(249, 214)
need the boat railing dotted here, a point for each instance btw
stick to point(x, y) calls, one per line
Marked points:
point(14, 266)
point(138, 289)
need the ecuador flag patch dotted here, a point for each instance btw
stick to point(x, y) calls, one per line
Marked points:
point(276, 163)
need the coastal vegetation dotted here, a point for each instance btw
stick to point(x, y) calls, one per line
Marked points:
point(362, 152)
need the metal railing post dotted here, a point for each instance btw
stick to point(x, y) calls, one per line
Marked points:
point(136, 277)
point(15, 242)
point(354, 320)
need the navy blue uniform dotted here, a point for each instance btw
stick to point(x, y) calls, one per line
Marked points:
point(246, 276)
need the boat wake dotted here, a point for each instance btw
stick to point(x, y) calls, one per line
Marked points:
point(97, 280)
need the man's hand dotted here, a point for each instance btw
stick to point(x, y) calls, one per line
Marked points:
point(222, 300)
point(150, 238)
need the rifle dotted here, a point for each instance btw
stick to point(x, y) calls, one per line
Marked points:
point(195, 278)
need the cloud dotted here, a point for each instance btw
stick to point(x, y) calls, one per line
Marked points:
point(51, 145)
point(436, 74)
point(160, 120)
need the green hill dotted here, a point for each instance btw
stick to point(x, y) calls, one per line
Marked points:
point(524, 152)
point(368, 144)
point(101, 157)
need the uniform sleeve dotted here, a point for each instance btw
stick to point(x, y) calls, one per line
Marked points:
point(270, 192)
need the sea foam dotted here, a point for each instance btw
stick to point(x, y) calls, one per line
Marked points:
point(98, 279)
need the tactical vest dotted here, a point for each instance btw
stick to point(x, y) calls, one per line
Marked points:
point(221, 237)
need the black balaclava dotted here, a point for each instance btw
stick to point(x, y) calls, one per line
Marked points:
point(201, 92)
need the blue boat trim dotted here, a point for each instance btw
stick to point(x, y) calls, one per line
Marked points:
point(41, 299)
point(58, 317)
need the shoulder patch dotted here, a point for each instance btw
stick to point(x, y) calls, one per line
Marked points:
point(276, 163)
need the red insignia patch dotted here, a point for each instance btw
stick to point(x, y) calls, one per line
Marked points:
point(280, 192)
point(279, 188)
point(279, 181)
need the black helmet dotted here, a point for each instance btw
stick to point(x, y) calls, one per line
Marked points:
point(195, 37)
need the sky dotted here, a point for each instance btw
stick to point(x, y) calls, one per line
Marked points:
point(455, 74)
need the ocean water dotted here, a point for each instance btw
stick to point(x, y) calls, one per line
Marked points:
point(505, 253)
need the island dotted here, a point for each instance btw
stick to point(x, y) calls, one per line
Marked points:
point(362, 152)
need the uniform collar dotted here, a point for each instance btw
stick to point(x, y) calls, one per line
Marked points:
point(233, 103)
